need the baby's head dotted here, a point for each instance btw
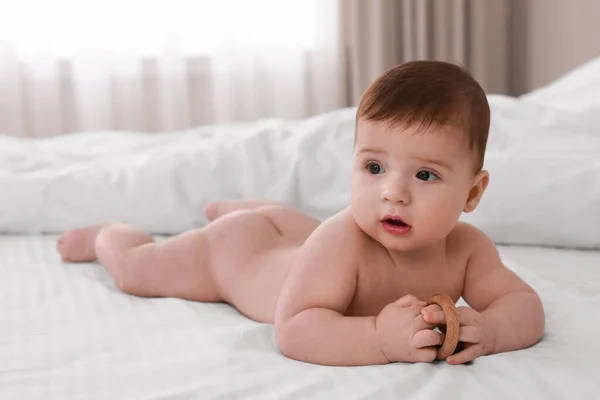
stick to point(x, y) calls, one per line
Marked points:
point(421, 133)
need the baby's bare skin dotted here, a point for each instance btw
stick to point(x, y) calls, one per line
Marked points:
point(252, 252)
point(255, 248)
point(242, 257)
point(350, 290)
point(251, 262)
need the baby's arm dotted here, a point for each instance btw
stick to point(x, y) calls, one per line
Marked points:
point(511, 308)
point(309, 322)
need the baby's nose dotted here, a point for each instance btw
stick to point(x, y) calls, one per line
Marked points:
point(396, 193)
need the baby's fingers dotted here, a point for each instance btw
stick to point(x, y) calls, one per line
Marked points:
point(419, 323)
point(470, 334)
point(426, 354)
point(410, 300)
point(427, 338)
point(468, 354)
point(431, 308)
point(435, 317)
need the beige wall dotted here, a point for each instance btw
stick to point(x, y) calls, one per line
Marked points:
point(549, 38)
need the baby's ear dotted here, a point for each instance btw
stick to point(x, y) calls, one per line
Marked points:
point(480, 183)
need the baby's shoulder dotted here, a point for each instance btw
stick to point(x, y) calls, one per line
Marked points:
point(340, 233)
point(464, 238)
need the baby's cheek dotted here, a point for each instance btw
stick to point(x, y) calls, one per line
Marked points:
point(362, 210)
point(439, 219)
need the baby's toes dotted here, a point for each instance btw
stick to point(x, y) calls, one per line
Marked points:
point(75, 246)
point(64, 245)
point(78, 245)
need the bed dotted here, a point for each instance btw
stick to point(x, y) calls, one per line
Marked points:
point(66, 331)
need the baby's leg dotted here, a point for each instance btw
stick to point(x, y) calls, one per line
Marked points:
point(176, 267)
point(182, 266)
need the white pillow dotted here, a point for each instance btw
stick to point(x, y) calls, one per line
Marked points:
point(161, 182)
point(544, 168)
point(576, 90)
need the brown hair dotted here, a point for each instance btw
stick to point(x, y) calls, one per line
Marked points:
point(430, 92)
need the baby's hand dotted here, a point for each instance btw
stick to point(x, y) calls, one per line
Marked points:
point(404, 335)
point(476, 336)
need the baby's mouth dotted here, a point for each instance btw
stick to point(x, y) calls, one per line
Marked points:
point(395, 222)
point(395, 226)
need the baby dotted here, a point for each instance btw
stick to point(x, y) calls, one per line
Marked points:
point(352, 289)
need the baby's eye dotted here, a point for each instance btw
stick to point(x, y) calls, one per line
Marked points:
point(427, 176)
point(375, 168)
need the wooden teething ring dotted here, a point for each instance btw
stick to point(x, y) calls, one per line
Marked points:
point(452, 324)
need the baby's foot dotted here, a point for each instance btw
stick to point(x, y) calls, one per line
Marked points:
point(78, 245)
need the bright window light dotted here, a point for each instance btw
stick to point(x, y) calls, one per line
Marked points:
point(63, 28)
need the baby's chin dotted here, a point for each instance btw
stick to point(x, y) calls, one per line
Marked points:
point(410, 242)
point(396, 245)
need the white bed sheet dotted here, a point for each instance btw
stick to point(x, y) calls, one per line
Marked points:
point(66, 332)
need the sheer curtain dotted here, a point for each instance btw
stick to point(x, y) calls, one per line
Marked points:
point(161, 65)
